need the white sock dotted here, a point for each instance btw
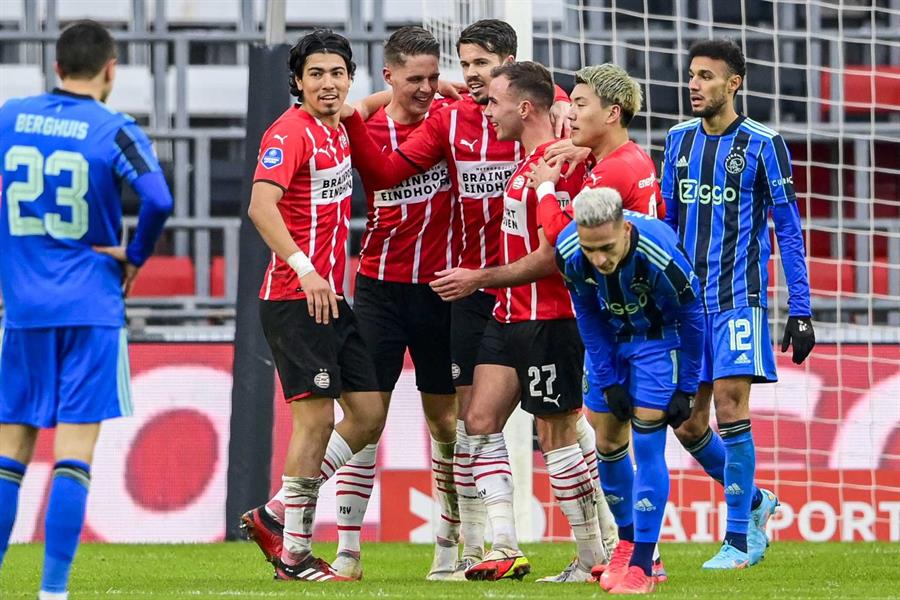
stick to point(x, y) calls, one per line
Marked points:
point(574, 491)
point(42, 595)
point(472, 513)
point(445, 489)
point(353, 489)
point(275, 506)
point(493, 480)
point(587, 440)
point(337, 453)
point(301, 494)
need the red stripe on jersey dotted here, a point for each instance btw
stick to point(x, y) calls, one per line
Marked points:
point(310, 161)
point(407, 237)
point(547, 298)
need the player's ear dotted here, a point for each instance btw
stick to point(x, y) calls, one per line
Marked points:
point(386, 74)
point(59, 72)
point(509, 59)
point(615, 114)
point(109, 71)
point(734, 83)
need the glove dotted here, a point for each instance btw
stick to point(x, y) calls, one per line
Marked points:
point(679, 409)
point(619, 402)
point(799, 332)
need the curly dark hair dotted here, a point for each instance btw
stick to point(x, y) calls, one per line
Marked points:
point(722, 49)
point(495, 36)
point(320, 41)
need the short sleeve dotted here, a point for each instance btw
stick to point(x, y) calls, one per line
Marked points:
point(282, 151)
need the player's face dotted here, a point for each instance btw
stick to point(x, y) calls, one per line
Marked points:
point(414, 83)
point(503, 110)
point(711, 85)
point(325, 83)
point(605, 246)
point(476, 64)
point(590, 120)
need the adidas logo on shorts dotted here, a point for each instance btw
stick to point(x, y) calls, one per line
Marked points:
point(742, 359)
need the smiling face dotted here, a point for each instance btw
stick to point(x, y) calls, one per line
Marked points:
point(414, 82)
point(591, 122)
point(712, 86)
point(504, 110)
point(476, 64)
point(605, 245)
point(324, 83)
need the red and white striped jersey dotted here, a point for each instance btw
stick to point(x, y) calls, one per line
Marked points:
point(629, 170)
point(478, 163)
point(408, 232)
point(310, 161)
point(547, 298)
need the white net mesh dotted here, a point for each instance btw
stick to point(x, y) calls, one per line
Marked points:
point(826, 76)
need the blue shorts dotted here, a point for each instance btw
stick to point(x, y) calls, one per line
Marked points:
point(63, 375)
point(648, 370)
point(737, 343)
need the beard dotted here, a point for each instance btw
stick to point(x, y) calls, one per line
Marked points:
point(710, 110)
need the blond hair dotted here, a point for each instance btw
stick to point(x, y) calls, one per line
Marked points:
point(613, 85)
point(594, 207)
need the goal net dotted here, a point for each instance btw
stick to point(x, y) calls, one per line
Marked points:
point(825, 75)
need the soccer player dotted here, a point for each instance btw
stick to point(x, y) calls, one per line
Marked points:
point(604, 101)
point(638, 310)
point(406, 241)
point(479, 166)
point(300, 204)
point(64, 356)
point(723, 174)
point(530, 353)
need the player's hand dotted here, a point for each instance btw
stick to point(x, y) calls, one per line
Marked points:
point(620, 404)
point(453, 284)
point(451, 89)
point(679, 409)
point(541, 172)
point(564, 151)
point(129, 271)
point(799, 332)
point(559, 116)
point(321, 300)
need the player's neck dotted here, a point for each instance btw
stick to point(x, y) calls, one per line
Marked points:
point(535, 134)
point(610, 143)
point(330, 120)
point(399, 114)
point(718, 123)
point(83, 87)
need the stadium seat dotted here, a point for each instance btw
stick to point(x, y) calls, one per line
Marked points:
point(133, 91)
point(17, 81)
point(165, 276)
point(217, 277)
point(213, 90)
point(858, 83)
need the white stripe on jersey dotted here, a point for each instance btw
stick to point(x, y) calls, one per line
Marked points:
point(417, 256)
point(485, 206)
point(462, 207)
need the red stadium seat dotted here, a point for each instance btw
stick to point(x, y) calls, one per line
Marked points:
point(165, 276)
point(217, 277)
point(858, 85)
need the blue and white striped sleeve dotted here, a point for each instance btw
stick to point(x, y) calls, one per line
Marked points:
point(777, 160)
point(667, 185)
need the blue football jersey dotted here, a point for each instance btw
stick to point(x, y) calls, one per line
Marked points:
point(64, 158)
point(652, 296)
point(719, 190)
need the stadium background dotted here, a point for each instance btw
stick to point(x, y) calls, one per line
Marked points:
point(825, 74)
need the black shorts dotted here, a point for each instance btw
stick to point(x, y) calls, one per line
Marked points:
point(395, 316)
point(315, 359)
point(468, 318)
point(548, 357)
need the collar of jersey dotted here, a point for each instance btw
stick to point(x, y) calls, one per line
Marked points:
point(728, 131)
point(63, 92)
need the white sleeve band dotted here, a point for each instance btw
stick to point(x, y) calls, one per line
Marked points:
point(548, 187)
point(300, 263)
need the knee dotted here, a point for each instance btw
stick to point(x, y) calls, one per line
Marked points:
point(481, 422)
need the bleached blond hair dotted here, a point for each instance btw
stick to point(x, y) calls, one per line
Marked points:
point(613, 85)
point(597, 206)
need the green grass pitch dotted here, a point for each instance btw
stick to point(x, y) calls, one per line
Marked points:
point(791, 570)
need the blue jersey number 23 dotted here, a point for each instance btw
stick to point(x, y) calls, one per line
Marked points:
point(71, 196)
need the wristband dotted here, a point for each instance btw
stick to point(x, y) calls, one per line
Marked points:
point(546, 188)
point(300, 263)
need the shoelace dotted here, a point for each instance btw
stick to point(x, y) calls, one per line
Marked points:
point(621, 556)
point(569, 570)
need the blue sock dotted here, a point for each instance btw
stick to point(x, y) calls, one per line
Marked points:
point(740, 465)
point(651, 488)
point(65, 519)
point(709, 451)
point(11, 474)
point(617, 480)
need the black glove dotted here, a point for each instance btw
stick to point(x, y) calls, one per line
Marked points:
point(799, 332)
point(619, 402)
point(679, 409)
